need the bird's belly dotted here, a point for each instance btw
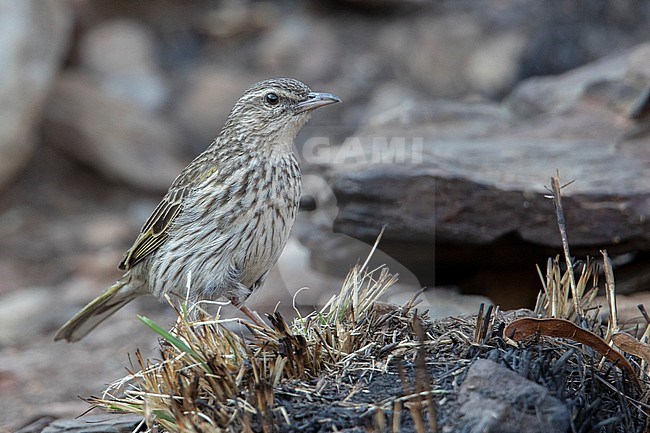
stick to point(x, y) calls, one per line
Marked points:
point(268, 232)
point(223, 257)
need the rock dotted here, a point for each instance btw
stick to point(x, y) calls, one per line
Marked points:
point(307, 48)
point(569, 35)
point(234, 19)
point(105, 423)
point(444, 45)
point(458, 53)
point(121, 54)
point(24, 314)
point(627, 306)
point(33, 42)
point(634, 143)
point(441, 302)
point(486, 48)
point(385, 5)
point(501, 182)
point(452, 173)
point(388, 98)
point(495, 399)
point(40, 377)
point(289, 279)
point(120, 140)
point(493, 67)
point(335, 253)
point(206, 100)
point(37, 425)
point(628, 71)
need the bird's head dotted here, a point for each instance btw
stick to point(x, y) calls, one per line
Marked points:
point(275, 109)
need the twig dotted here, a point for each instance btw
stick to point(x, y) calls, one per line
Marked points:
point(610, 292)
point(561, 222)
point(645, 336)
point(644, 313)
point(479, 324)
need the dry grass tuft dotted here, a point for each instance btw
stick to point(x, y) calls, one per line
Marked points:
point(556, 299)
point(210, 378)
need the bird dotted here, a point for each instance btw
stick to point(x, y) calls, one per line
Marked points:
point(226, 217)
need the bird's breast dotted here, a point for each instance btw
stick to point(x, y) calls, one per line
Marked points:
point(233, 225)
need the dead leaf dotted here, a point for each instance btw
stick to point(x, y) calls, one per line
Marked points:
point(631, 345)
point(526, 327)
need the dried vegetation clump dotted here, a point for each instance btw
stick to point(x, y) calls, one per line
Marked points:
point(210, 378)
point(362, 365)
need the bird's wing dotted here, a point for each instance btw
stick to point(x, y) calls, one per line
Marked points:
point(154, 232)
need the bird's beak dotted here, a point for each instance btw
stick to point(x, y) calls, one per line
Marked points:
point(315, 100)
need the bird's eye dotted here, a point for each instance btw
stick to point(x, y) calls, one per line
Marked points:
point(271, 99)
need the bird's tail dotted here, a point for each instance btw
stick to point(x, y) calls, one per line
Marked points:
point(114, 298)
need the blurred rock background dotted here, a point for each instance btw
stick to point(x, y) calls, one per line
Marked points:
point(455, 116)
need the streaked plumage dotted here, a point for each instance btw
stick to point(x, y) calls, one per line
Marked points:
point(226, 217)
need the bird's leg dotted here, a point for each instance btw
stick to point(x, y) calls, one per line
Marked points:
point(248, 312)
